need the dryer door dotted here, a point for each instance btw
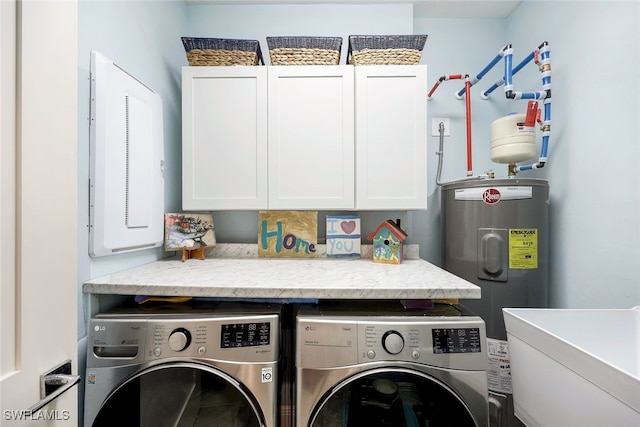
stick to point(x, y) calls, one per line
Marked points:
point(390, 397)
point(179, 394)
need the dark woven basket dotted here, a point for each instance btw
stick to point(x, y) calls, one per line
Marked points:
point(304, 50)
point(212, 51)
point(386, 50)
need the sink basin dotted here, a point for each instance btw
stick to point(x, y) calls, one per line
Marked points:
point(575, 367)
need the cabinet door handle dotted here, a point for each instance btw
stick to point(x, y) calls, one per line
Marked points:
point(54, 383)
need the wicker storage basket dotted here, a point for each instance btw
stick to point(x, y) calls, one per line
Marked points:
point(304, 50)
point(385, 50)
point(207, 51)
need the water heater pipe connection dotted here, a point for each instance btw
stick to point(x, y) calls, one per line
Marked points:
point(542, 57)
point(467, 85)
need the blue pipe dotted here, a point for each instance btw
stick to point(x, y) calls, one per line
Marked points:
point(496, 85)
point(545, 140)
point(547, 121)
point(545, 68)
point(508, 70)
point(524, 62)
point(491, 64)
point(484, 71)
point(528, 95)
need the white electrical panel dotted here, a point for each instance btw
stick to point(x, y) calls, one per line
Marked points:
point(127, 159)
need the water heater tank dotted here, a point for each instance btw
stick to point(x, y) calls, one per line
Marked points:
point(496, 235)
point(511, 140)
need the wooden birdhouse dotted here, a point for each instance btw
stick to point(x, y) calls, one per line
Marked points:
point(387, 240)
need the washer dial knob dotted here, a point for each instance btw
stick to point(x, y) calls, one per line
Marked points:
point(179, 339)
point(392, 342)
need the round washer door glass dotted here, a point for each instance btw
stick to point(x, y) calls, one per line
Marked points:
point(184, 394)
point(392, 399)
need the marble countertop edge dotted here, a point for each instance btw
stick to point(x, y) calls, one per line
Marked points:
point(235, 273)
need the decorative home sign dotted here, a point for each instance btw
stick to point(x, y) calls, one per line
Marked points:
point(388, 239)
point(343, 236)
point(191, 233)
point(287, 233)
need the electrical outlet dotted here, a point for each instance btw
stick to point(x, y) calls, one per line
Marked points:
point(435, 127)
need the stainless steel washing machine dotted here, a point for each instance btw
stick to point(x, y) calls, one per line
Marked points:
point(203, 366)
point(378, 364)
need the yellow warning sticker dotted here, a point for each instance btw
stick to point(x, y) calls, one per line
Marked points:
point(523, 248)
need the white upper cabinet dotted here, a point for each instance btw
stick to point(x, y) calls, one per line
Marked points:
point(391, 137)
point(326, 137)
point(311, 137)
point(224, 138)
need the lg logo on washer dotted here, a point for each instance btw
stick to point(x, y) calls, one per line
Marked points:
point(99, 328)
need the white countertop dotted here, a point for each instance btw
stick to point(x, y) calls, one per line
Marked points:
point(232, 271)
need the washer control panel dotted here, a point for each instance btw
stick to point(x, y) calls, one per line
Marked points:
point(252, 338)
point(213, 338)
point(456, 340)
point(245, 334)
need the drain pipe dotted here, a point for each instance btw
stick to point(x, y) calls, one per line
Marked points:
point(440, 153)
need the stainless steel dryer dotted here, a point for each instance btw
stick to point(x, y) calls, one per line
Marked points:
point(213, 366)
point(384, 365)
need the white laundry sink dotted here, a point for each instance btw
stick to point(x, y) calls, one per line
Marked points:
point(576, 367)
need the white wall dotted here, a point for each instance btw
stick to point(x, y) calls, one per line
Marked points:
point(594, 147)
point(143, 38)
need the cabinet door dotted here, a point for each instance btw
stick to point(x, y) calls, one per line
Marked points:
point(224, 138)
point(311, 137)
point(391, 137)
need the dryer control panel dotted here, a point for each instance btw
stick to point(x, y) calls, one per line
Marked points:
point(456, 342)
point(448, 343)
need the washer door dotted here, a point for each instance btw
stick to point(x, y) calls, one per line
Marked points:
point(179, 394)
point(391, 398)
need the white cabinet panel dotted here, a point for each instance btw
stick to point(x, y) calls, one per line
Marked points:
point(311, 137)
point(391, 137)
point(305, 137)
point(224, 133)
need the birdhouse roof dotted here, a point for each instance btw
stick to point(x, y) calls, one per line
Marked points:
point(393, 228)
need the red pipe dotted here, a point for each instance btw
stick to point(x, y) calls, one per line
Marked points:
point(467, 86)
point(441, 79)
point(433, 89)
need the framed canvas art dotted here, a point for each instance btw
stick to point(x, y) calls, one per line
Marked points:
point(188, 231)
